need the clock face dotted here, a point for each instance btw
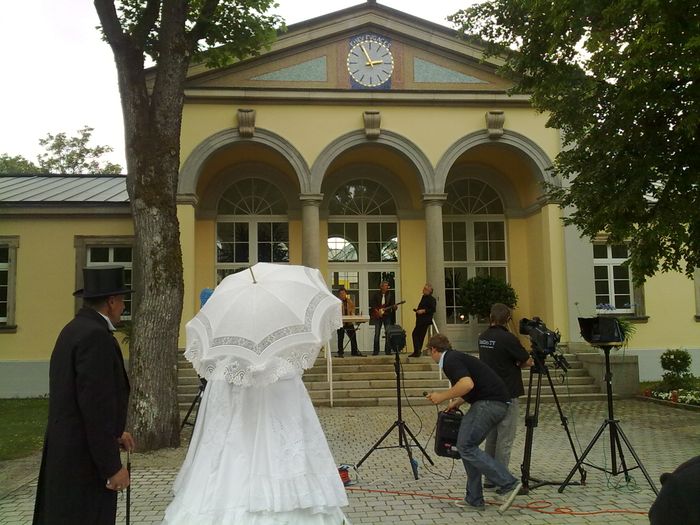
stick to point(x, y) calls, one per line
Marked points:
point(370, 62)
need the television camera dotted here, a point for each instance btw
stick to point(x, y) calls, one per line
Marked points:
point(544, 341)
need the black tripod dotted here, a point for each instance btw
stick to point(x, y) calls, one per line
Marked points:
point(195, 403)
point(399, 423)
point(615, 434)
point(531, 419)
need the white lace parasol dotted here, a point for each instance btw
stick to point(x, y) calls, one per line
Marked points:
point(262, 323)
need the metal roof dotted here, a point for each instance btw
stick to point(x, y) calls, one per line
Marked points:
point(55, 189)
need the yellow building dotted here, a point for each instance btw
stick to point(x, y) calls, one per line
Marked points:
point(368, 143)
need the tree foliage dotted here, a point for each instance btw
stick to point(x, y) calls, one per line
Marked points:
point(74, 155)
point(172, 33)
point(70, 155)
point(480, 293)
point(620, 79)
point(17, 164)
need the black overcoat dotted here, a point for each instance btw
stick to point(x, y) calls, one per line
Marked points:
point(88, 398)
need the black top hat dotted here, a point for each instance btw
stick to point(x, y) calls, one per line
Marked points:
point(103, 281)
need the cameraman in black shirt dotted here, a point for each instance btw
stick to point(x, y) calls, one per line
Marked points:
point(502, 351)
point(474, 382)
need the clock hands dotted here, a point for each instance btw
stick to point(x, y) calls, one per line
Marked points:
point(369, 60)
point(376, 68)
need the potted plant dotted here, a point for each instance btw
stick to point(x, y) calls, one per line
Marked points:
point(479, 293)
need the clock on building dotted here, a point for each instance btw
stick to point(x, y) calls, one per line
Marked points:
point(370, 62)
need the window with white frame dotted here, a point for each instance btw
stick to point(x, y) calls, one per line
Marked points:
point(106, 255)
point(252, 226)
point(474, 239)
point(362, 226)
point(614, 290)
point(8, 269)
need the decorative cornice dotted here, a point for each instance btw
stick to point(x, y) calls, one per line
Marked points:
point(394, 97)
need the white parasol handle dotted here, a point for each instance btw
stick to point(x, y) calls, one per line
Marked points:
point(252, 274)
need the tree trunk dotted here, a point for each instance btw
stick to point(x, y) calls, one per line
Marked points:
point(152, 122)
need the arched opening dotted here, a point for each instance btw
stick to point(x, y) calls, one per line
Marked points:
point(252, 225)
point(474, 240)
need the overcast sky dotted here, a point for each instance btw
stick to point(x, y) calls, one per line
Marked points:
point(58, 75)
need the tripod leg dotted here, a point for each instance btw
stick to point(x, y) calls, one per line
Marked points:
point(636, 458)
point(379, 441)
point(189, 411)
point(583, 456)
point(420, 447)
point(615, 443)
point(565, 423)
point(530, 424)
point(404, 439)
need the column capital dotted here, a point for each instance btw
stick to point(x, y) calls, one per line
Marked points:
point(437, 199)
point(187, 198)
point(311, 199)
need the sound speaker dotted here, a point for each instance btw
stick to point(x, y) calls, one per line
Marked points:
point(446, 434)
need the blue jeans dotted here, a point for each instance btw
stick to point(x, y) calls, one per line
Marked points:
point(480, 419)
point(500, 440)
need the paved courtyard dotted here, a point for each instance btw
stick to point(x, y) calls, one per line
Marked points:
point(385, 491)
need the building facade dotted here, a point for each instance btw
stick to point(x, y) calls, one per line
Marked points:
point(370, 144)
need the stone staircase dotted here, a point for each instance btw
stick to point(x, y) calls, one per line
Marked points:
point(371, 381)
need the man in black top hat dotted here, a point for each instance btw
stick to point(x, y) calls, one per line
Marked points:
point(81, 470)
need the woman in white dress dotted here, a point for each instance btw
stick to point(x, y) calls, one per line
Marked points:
point(258, 454)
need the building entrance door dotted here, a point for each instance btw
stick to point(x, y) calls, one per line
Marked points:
point(360, 285)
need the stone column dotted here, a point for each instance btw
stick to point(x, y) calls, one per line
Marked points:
point(435, 260)
point(310, 231)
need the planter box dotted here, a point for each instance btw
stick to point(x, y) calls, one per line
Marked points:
point(625, 371)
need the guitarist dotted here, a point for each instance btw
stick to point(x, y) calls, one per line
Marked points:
point(382, 313)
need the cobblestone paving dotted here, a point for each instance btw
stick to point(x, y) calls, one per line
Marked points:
point(385, 491)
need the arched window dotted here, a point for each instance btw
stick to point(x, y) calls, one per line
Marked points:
point(474, 239)
point(252, 226)
point(362, 244)
point(359, 211)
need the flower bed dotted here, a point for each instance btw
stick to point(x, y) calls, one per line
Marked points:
point(688, 397)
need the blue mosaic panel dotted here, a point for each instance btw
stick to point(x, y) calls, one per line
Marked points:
point(311, 71)
point(424, 71)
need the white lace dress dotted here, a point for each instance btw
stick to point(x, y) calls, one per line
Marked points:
point(258, 455)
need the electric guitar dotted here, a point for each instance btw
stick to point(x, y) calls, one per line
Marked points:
point(378, 313)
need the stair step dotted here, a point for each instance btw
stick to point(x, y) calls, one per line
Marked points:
point(371, 381)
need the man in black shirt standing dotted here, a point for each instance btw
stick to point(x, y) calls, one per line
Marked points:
point(474, 382)
point(424, 318)
point(502, 351)
point(381, 312)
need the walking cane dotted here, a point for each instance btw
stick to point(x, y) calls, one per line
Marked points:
point(128, 489)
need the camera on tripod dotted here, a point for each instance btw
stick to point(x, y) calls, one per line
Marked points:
point(544, 341)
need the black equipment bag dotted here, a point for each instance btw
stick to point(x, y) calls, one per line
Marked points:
point(446, 434)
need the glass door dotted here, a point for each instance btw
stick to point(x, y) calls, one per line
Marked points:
point(360, 285)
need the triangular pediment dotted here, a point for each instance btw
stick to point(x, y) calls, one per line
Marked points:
point(335, 52)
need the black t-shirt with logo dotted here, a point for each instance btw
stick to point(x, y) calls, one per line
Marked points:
point(487, 385)
point(503, 352)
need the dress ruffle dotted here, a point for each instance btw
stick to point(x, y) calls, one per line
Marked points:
point(258, 455)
